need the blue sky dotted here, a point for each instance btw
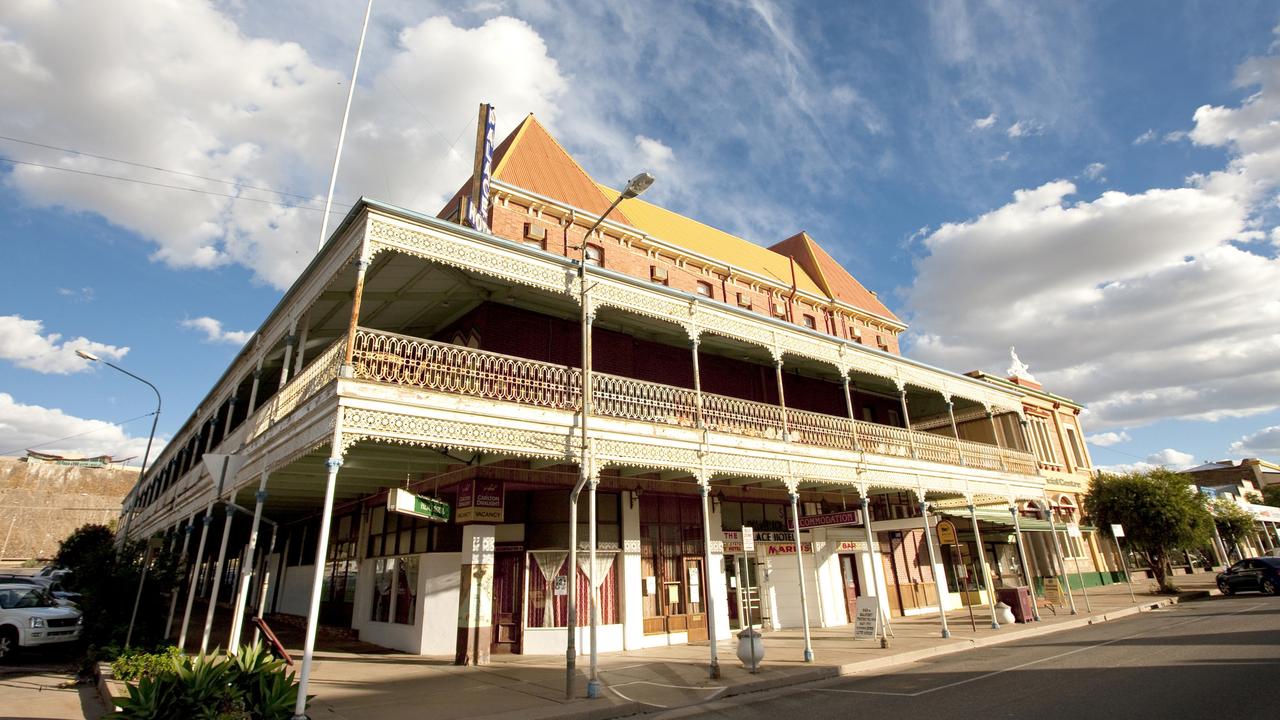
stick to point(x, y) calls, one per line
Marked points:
point(1092, 182)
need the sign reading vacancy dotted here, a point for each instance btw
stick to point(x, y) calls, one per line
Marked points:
point(404, 502)
point(480, 500)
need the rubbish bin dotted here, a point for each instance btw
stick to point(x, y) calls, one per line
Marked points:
point(1019, 600)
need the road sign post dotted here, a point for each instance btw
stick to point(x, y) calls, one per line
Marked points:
point(1117, 532)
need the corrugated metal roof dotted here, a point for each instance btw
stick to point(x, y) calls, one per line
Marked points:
point(836, 282)
point(681, 231)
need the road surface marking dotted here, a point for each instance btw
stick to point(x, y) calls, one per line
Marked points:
point(709, 698)
point(1030, 663)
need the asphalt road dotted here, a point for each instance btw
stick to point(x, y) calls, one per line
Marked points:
point(1215, 658)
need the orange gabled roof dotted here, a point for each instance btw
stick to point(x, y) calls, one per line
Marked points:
point(531, 159)
point(835, 281)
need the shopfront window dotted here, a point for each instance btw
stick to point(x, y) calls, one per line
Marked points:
point(549, 588)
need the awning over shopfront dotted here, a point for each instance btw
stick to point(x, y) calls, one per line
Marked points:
point(1001, 516)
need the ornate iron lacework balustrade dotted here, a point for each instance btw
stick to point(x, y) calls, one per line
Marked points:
point(416, 362)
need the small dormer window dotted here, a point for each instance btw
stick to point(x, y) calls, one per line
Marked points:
point(704, 289)
point(779, 309)
point(658, 274)
point(594, 255)
point(811, 322)
point(744, 301)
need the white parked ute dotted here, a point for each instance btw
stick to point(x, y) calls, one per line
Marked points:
point(29, 616)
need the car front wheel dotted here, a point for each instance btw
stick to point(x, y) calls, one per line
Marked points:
point(1225, 588)
point(8, 643)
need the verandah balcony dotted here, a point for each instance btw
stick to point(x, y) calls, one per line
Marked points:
point(416, 362)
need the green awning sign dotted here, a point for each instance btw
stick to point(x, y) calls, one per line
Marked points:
point(406, 503)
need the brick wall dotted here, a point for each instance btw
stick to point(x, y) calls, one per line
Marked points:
point(514, 222)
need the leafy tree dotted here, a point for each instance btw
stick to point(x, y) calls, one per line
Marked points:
point(1234, 523)
point(1159, 511)
point(107, 578)
point(1253, 497)
point(1271, 495)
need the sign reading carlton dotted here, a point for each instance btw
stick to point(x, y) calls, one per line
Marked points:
point(480, 501)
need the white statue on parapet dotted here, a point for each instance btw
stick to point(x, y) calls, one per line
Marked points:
point(1017, 368)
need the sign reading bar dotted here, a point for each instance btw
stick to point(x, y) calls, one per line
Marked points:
point(947, 533)
point(844, 517)
point(404, 502)
point(1117, 530)
point(481, 500)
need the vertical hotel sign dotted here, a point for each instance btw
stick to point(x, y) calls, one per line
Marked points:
point(478, 208)
point(480, 501)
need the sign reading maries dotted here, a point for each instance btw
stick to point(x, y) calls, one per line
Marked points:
point(481, 500)
point(844, 517)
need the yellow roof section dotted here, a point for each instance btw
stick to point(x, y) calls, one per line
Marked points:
point(678, 230)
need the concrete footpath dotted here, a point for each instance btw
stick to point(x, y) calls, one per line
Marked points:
point(360, 681)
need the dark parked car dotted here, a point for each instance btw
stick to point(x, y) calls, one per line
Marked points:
point(1262, 574)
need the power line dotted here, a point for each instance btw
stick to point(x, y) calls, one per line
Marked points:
point(157, 168)
point(72, 437)
point(167, 186)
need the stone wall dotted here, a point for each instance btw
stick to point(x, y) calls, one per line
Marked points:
point(42, 503)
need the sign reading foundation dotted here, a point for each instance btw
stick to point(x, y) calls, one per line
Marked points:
point(946, 533)
point(480, 500)
point(866, 618)
point(404, 502)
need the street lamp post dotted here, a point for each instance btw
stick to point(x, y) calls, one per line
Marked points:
point(635, 186)
point(155, 418)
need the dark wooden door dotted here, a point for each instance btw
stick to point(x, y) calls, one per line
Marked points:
point(852, 585)
point(891, 581)
point(695, 587)
point(508, 590)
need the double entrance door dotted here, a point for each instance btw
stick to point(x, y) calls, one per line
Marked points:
point(674, 589)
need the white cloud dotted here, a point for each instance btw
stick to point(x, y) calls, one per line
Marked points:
point(84, 294)
point(214, 333)
point(1166, 458)
point(984, 122)
point(1264, 443)
point(53, 431)
point(1174, 136)
point(1138, 304)
point(23, 344)
point(1107, 439)
point(1145, 137)
point(202, 97)
point(1094, 170)
point(1024, 128)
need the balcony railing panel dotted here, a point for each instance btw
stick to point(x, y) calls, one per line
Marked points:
point(386, 357)
point(416, 362)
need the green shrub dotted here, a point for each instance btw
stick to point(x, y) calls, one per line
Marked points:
point(134, 664)
point(250, 686)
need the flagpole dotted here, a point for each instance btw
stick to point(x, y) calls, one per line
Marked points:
point(342, 133)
